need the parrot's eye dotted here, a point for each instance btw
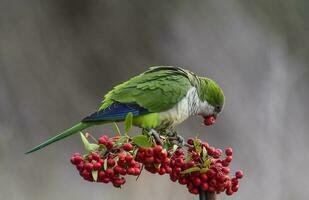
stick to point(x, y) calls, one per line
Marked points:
point(218, 108)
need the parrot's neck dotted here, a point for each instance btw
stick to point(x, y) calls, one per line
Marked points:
point(196, 106)
point(190, 105)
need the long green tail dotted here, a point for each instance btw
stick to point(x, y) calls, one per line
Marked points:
point(78, 127)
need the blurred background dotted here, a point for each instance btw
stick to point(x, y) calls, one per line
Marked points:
point(59, 57)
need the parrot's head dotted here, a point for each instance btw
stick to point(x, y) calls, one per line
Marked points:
point(212, 100)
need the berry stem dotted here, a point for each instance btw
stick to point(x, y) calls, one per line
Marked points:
point(207, 195)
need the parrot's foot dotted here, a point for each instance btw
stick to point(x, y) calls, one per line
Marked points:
point(180, 140)
point(153, 133)
point(174, 137)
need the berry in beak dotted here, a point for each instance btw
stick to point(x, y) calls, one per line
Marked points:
point(209, 120)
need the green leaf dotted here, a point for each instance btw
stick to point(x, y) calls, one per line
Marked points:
point(90, 147)
point(93, 147)
point(197, 146)
point(105, 164)
point(207, 163)
point(135, 152)
point(188, 158)
point(121, 140)
point(157, 165)
point(142, 141)
point(204, 153)
point(192, 169)
point(128, 122)
point(116, 128)
point(94, 175)
point(167, 145)
point(175, 147)
point(204, 170)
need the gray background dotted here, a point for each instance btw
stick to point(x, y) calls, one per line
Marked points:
point(59, 57)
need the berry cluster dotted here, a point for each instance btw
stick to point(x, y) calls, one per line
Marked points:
point(202, 168)
point(155, 159)
point(108, 164)
point(196, 165)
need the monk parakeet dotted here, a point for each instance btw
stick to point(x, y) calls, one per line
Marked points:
point(159, 99)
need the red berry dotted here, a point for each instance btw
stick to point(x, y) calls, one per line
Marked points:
point(228, 184)
point(149, 152)
point(225, 170)
point(173, 177)
point(228, 151)
point(209, 120)
point(89, 158)
point(190, 164)
point(204, 186)
point(95, 156)
point(97, 166)
point(85, 174)
point(197, 181)
point(80, 166)
point(149, 159)
point(234, 181)
point(179, 152)
point(110, 145)
point(161, 170)
point(177, 170)
point(168, 169)
point(103, 140)
point(132, 163)
point(121, 156)
point(225, 163)
point(213, 182)
point(109, 172)
point(229, 159)
point(131, 170)
point(194, 191)
point(101, 161)
point(239, 174)
point(190, 141)
point(129, 157)
point(163, 154)
point(123, 171)
point(76, 154)
point(204, 177)
point(101, 174)
point(235, 188)
point(210, 173)
point(157, 149)
point(117, 182)
point(88, 166)
point(223, 178)
point(206, 145)
point(110, 162)
point(117, 169)
point(229, 191)
point(78, 159)
point(211, 189)
point(106, 180)
point(137, 171)
point(127, 147)
point(216, 153)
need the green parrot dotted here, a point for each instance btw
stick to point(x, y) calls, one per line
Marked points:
point(159, 99)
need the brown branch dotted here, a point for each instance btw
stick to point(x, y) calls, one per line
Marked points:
point(207, 195)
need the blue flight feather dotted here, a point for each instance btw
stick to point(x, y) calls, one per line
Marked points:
point(116, 111)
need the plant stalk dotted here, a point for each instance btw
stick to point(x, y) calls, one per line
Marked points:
point(207, 195)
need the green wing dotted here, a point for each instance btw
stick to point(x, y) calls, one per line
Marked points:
point(157, 89)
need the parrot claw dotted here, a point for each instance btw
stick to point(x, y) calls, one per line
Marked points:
point(153, 133)
point(180, 140)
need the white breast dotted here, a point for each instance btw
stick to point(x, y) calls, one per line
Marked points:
point(188, 106)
